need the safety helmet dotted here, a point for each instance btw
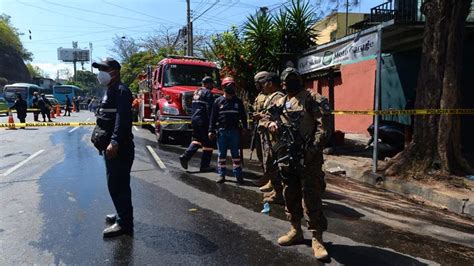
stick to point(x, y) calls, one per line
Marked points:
point(227, 80)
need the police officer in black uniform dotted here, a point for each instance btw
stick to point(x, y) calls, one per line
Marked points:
point(202, 104)
point(21, 108)
point(115, 111)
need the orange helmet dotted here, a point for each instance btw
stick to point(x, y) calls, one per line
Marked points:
point(227, 80)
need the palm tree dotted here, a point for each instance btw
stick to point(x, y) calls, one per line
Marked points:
point(259, 35)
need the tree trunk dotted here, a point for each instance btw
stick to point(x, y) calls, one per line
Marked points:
point(436, 143)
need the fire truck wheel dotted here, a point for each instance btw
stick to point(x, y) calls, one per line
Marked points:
point(162, 136)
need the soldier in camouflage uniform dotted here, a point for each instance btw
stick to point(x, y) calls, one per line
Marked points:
point(258, 108)
point(274, 188)
point(303, 183)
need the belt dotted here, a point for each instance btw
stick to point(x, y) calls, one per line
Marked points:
point(108, 110)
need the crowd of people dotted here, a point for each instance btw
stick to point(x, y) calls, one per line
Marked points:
point(292, 127)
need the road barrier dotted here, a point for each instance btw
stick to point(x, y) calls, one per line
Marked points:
point(368, 112)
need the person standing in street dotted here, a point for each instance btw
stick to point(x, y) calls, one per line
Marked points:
point(228, 117)
point(67, 110)
point(258, 108)
point(45, 107)
point(302, 114)
point(34, 105)
point(21, 107)
point(273, 190)
point(77, 102)
point(202, 104)
point(135, 107)
point(115, 117)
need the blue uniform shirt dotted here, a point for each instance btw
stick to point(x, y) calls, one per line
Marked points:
point(227, 114)
point(202, 104)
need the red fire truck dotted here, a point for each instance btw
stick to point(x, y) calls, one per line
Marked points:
point(167, 92)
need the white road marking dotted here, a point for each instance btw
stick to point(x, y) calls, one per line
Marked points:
point(155, 156)
point(72, 130)
point(14, 168)
point(135, 127)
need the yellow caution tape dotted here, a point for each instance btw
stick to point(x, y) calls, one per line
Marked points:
point(409, 112)
point(368, 112)
point(74, 124)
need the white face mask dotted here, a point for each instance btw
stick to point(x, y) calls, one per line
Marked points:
point(103, 78)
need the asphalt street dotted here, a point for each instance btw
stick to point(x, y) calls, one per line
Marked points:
point(53, 199)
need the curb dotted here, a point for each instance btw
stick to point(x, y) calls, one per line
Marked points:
point(459, 205)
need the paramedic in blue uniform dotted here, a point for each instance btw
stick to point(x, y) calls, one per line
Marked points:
point(115, 108)
point(228, 117)
point(202, 104)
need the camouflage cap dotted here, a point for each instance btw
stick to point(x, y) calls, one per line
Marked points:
point(273, 77)
point(260, 75)
point(288, 71)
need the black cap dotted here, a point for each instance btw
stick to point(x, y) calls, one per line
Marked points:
point(273, 77)
point(207, 79)
point(108, 62)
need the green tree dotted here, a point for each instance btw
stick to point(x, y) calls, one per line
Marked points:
point(36, 71)
point(234, 58)
point(136, 64)
point(87, 81)
point(259, 34)
point(10, 37)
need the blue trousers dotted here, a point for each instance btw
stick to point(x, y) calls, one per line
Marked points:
point(228, 139)
point(118, 183)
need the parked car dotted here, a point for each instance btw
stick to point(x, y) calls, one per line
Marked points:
point(52, 100)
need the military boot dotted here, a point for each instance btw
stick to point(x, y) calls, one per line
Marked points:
point(267, 187)
point(295, 235)
point(320, 251)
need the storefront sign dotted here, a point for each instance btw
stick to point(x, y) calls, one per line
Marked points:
point(341, 54)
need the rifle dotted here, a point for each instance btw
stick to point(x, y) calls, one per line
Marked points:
point(253, 141)
point(290, 146)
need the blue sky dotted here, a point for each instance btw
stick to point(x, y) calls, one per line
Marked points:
point(56, 23)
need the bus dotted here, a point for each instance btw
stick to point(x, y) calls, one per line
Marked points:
point(60, 92)
point(25, 89)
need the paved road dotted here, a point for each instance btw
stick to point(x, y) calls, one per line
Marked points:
point(54, 204)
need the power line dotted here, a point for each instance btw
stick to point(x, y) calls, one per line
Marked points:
point(67, 15)
point(217, 1)
point(141, 13)
point(97, 12)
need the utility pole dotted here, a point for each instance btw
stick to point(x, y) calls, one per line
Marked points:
point(347, 17)
point(189, 50)
point(90, 56)
point(74, 45)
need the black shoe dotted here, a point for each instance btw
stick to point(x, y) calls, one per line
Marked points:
point(50, 121)
point(206, 169)
point(240, 180)
point(220, 180)
point(117, 230)
point(183, 161)
point(110, 218)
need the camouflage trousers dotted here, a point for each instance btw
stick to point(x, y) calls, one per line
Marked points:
point(270, 170)
point(302, 191)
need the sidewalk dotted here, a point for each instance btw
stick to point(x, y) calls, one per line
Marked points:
point(355, 162)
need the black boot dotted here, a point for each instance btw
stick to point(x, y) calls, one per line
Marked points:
point(117, 230)
point(110, 218)
point(183, 161)
point(206, 169)
point(221, 179)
